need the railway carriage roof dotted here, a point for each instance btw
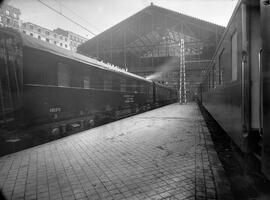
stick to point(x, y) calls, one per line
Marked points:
point(29, 41)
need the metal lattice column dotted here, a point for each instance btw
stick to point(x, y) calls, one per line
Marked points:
point(182, 74)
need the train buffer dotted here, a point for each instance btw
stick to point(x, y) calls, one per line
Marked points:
point(166, 153)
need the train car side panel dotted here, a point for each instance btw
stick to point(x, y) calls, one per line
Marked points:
point(222, 91)
point(55, 90)
point(265, 19)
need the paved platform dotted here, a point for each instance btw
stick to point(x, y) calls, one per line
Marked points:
point(165, 153)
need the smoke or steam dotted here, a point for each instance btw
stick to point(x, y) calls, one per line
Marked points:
point(154, 76)
point(170, 65)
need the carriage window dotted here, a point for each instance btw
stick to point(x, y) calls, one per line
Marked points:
point(76, 78)
point(209, 81)
point(213, 75)
point(107, 82)
point(63, 75)
point(142, 88)
point(216, 76)
point(150, 90)
point(115, 84)
point(130, 86)
point(234, 56)
point(138, 87)
point(134, 86)
point(220, 67)
point(96, 81)
point(123, 87)
point(86, 82)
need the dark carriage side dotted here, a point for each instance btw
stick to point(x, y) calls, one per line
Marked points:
point(77, 93)
point(164, 95)
point(59, 92)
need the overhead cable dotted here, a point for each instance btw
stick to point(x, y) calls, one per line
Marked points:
point(75, 14)
point(67, 17)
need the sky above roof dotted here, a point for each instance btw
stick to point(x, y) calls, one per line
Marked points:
point(99, 15)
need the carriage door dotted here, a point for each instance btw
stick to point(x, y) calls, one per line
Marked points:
point(251, 45)
point(255, 46)
point(265, 30)
point(254, 63)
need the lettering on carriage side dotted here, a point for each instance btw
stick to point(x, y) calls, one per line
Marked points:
point(129, 98)
point(54, 110)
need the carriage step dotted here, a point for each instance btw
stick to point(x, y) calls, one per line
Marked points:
point(73, 126)
point(13, 140)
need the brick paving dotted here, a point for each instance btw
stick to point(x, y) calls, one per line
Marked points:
point(166, 153)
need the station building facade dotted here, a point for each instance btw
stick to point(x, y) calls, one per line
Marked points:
point(59, 37)
point(9, 16)
point(74, 40)
point(45, 35)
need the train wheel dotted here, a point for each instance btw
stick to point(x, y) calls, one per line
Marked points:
point(91, 123)
point(55, 132)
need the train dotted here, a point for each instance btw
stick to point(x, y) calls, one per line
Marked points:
point(235, 87)
point(47, 91)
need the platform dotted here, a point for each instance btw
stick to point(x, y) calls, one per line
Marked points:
point(166, 153)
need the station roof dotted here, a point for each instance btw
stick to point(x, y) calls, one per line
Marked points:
point(146, 33)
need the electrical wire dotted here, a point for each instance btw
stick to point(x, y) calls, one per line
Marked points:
point(75, 13)
point(67, 17)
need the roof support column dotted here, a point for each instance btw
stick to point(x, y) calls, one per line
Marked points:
point(97, 47)
point(166, 28)
point(182, 78)
point(125, 53)
point(111, 49)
